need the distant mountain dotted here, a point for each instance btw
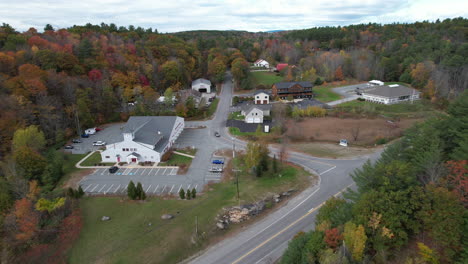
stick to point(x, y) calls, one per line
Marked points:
point(273, 31)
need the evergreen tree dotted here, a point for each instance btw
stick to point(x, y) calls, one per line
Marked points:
point(80, 192)
point(189, 195)
point(139, 191)
point(71, 192)
point(182, 194)
point(194, 193)
point(131, 190)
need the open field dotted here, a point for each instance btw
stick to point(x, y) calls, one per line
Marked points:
point(330, 150)
point(417, 109)
point(265, 78)
point(69, 169)
point(92, 160)
point(363, 132)
point(325, 94)
point(137, 234)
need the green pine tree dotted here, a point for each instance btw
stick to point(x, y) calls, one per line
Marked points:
point(131, 190)
point(71, 192)
point(139, 191)
point(194, 193)
point(182, 194)
point(80, 192)
point(189, 195)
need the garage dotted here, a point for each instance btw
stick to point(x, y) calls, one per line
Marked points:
point(250, 120)
point(202, 90)
point(257, 120)
point(202, 85)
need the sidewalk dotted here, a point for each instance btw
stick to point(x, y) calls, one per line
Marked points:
point(132, 166)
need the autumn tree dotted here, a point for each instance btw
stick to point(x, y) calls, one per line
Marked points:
point(30, 164)
point(26, 219)
point(254, 153)
point(458, 179)
point(355, 240)
point(31, 137)
point(339, 74)
point(217, 69)
point(333, 238)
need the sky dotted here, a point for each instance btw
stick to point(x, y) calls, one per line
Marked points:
point(253, 15)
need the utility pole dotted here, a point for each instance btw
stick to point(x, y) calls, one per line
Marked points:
point(196, 225)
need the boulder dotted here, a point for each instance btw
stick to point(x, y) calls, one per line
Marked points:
point(167, 216)
point(105, 218)
point(220, 225)
point(277, 200)
point(276, 196)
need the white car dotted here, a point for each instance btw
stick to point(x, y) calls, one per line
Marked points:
point(344, 142)
point(99, 143)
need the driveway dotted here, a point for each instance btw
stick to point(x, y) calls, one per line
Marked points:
point(349, 92)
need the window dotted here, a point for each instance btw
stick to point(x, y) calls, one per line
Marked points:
point(134, 149)
point(258, 96)
point(107, 157)
point(266, 97)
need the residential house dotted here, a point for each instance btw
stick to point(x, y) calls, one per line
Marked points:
point(390, 94)
point(144, 138)
point(202, 85)
point(262, 63)
point(295, 89)
point(262, 97)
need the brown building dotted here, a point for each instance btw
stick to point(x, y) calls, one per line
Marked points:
point(295, 89)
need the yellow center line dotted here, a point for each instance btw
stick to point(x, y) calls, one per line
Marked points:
point(286, 228)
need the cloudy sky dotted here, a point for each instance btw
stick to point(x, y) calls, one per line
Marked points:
point(252, 15)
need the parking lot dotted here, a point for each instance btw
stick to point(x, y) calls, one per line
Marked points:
point(111, 133)
point(215, 170)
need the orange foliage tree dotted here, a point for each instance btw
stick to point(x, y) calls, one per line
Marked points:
point(26, 219)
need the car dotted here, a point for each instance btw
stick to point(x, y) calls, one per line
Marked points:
point(68, 147)
point(98, 129)
point(99, 143)
point(344, 142)
point(84, 135)
point(217, 134)
point(113, 169)
point(76, 140)
point(214, 169)
point(218, 162)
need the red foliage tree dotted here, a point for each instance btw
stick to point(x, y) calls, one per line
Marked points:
point(333, 237)
point(339, 74)
point(26, 219)
point(144, 81)
point(458, 179)
point(38, 42)
point(95, 75)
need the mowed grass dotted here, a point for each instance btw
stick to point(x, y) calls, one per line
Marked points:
point(419, 108)
point(265, 78)
point(92, 160)
point(325, 94)
point(177, 160)
point(69, 162)
point(137, 234)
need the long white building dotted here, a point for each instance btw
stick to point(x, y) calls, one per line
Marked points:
point(390, 94)
point(144, 138)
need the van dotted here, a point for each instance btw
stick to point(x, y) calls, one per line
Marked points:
point(90, 131)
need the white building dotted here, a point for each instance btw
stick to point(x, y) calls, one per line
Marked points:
point(261, 97)
point(202, 85)
point(375, 83)
point(262, 63)
point(255, 113)
point(390, 94)
point(144, 138)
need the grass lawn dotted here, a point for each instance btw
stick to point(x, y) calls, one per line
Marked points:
point(236, 132)
point(419, 108)
point(236, 116)
point(325, 94)
point(265, 78)
point(177, 160)
point(329, 150)
point(212, 108)
point(69, 161)
point(92, 160)
point(188, 150)
point(137, 234)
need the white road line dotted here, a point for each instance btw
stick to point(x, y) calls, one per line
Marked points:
point(109, 188)
point(94, 188)
point(282, 244)
point(102, 188)
point(148, 188)
point(327, 170)
point(172, 188)
point(174, 171)
point(179, 189)
point(151, 171)
point(156, 172)
point(118, 187)
point(155, 189)
point(143, 172)
point(87, 187)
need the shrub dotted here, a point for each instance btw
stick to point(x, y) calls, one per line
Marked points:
point(381, 141)
point(189, 195)
point(182, 194)
point(194, 193)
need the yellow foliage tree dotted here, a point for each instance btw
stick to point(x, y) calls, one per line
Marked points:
point(427, 254)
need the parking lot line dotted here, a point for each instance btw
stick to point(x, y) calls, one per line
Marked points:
point(163, 189)
point(173, 171)
point(155, 189)
point(94, 188)
point(156, 171)
point(188, 188)
point(171, 189)
point(118, 187)
point(179, 188)
point(151, 171)
point(109, 188)
point(87, 188)
point(143, 172)
point(164, 171)
point(102, 173)
point(102, 188)
point(125, 171)
point(148, 188)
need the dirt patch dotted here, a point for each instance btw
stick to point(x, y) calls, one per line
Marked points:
point(75, 178)
point(361, 132)
point(330, 150)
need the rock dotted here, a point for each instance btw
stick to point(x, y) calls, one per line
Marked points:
point(105, 218)
point(286, 194)
point(245, 211)
point(277, 200)
point(276, 196)
point(220, 225)
point(167, 216)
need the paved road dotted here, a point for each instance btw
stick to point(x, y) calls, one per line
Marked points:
point(266, 240)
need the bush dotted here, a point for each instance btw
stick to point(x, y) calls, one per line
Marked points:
point(182, 194)
point(189, 195)
point(131, 190)
point(381, 141)
point(194, 193)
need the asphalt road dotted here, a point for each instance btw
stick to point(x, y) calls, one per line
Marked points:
point(266, 240)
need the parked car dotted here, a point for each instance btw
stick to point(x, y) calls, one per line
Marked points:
point(90, 131)
point(113, 169)
point(85, 135)
point(218, 162)
point(76, 140)
point(344, 142)
point(68, 147)
point(214, 169)
point(98, 129)
point(99, 143)
point(217, 134)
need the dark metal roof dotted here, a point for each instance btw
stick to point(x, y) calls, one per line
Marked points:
point(391, 91)
point(262, 91)
point(287, 85)
point(150, 130)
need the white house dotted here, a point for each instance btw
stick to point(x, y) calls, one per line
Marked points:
point(255, 113)
point(144, 138)
point(261, 97)
point(390, 94)
point(262, 63)
point(202, 85)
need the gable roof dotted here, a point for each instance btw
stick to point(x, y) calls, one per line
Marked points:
point(249, 107)
point(390, 91)
point(201, 80)
point(262, 91)
point(260, 60)
point(145, 128)
point(281, 66)
point(287, 85)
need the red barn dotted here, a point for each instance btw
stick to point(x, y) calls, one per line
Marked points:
point(281, 66)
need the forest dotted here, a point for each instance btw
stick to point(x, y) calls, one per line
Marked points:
point(51, 78)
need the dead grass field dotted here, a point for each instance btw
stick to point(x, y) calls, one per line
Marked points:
point(359, 132)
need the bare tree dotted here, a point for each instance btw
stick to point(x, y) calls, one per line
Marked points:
point(355, 131)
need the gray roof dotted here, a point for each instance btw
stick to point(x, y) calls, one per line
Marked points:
point(310, 102)
point(201, 80)
point(390, 91)
point(249, 107)
point(287, 85)
point(262, 91)
point(134, 154)
point(145, 129)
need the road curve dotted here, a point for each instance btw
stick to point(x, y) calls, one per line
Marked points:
point(266, 240)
